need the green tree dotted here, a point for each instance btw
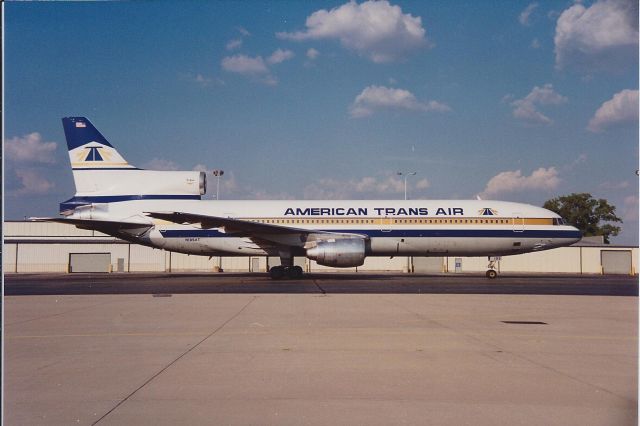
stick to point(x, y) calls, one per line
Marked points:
point(586, 213)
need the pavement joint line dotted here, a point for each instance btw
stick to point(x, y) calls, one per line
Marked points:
point(518, 355)
point(319, 286)
point(220, 327)
point(567, 375)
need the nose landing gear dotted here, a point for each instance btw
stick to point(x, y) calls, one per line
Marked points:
point(491, 273)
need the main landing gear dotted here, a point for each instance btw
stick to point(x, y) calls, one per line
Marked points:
point(278, 272)
point(492, 273)
point(286, 268)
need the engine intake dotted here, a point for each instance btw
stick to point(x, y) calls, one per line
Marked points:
point(341, 253)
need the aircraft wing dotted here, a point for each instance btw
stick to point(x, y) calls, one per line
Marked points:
point(259, 232)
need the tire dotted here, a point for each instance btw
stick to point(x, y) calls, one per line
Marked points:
point(294, 272)
point(276, 272)
point(491, 274)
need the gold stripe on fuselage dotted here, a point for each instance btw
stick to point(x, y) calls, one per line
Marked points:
point(502, 221)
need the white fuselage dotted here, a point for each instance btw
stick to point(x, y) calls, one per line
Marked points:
point(411, 228)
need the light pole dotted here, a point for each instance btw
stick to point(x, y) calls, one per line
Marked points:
point(217, 174)
point(406, 175)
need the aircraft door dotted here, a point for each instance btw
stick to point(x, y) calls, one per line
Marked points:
point(517, 222)
point(385, 224)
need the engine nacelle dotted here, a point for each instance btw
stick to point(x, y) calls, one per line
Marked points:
point(340, 253)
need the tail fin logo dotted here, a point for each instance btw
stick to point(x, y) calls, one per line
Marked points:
point(92, 153)
point(97, 155)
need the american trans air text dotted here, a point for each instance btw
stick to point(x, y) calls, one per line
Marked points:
point(375, 211)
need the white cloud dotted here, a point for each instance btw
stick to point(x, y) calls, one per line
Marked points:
point(525, 15)
point(280, 56)
point(270, 80)
point(535, 44)
point(202, 80)
point(32, 182)
point(506, 99)
point(374, 98)
point(255, 67)
point(527, 108)
point(201, 168)
point(28, 157)
point(630, 209)
point(228, 184)
point(579, 160)
point(603, 36)
point(236, 43)
point(622, 108)
point(374, 29)
point(230, 188)
point(30, 149)
point(160, 164)
point(244, 31)
point(243, 64)
point(612, 186)
point(312, 53)
point(423, 184)
point(512, 181)
point(387, 186)
point(261, 194)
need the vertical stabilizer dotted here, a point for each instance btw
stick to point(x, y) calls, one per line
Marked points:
point(88, 149)
point(102, 175)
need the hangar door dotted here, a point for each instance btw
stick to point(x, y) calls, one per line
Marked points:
point(616, 261)
point(89, 262)
point(426, 265)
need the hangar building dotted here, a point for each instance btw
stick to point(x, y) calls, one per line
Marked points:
point(31, 247)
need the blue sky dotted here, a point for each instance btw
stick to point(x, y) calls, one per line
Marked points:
point(519, 101)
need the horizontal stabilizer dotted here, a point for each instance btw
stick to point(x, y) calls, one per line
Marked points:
point(106, 226)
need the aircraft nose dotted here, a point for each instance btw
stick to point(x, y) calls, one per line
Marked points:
point(576, 235)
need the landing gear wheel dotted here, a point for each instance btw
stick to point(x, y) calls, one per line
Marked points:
point(294, 272)
point(492, 274)
point(276, 272)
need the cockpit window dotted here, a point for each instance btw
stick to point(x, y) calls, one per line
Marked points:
point(558, 221)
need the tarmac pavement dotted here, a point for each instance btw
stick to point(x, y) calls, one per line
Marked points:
point(320, 357)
